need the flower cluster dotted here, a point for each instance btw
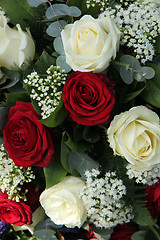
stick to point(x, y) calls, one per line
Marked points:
point(139, 25)
point(143, 176)
point(12, 177)
point(47, 91)
point(103, 199)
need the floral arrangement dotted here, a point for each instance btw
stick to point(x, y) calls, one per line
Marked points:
point(80, 119)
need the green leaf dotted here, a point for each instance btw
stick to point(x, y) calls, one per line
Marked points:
point(3, 116)
point(54, 173)
point(140, 235)
point(158, 45)
point(44, 62)
point(91, 134)
point(81, 162)
point(55, 28)
point(36, 3)
point(142, 216)
point(151, 93)
point(80, 146)
point(56, 117)
point(130, 96)
point(65, 153)
point(11, 98)
point(45, 234)
point(18, 11)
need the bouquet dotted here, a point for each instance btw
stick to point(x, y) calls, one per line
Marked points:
point(79, 119)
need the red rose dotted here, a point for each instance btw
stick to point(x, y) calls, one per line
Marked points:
point(88, 98)
point(17, 213)
point(123, 231)
point(27, 141)
point(32, 195)
point(89, 235)
point(153, 199)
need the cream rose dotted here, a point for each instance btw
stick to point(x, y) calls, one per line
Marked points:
point(90, 44)
point(135, 135)
point(62, 203)
point(16, 46)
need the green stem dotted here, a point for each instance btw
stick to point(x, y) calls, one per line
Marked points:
point(155, 232)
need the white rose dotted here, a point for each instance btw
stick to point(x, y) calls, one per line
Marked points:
point(90, 44)
point(16, 46)
point(63, 204)
point(135, 135)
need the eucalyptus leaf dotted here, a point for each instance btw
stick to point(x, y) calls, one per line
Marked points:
point(74, 11)
point(148, 72)
point(129, 66)
point(140, 235)
point(61, 61)
point(55, 28)
point(57, 10)
point(45, 234)
point(11, 84)
point(81, 162)
point(102, 231)
point(47, 224)
point(139, 76)
point(58, 45)
point(36, 3)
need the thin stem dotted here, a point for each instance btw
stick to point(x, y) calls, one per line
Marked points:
point(54, 13)
point(155, 232)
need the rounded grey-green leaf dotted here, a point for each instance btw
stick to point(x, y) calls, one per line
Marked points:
point(58, 45)
point(61, 62)
point(57, 10)
point(129, 65)
point(131, 61)
point(140, 235)
point(126, 74)
point(148, 72)
point(36, 3)
point(45, 234)
point(74, 11)
point(55, 28)
point(139, 76)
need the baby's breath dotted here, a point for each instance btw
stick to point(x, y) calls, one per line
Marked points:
point(47, 90)
point(139, 24)
point(12, 177)
point(103, 4)
point(148, 177)
point(102, 198)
